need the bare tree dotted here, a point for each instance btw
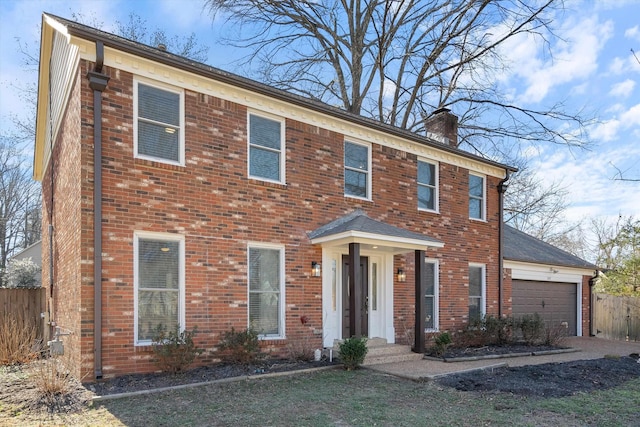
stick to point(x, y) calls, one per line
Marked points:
point(398, 61)
point(19, 202)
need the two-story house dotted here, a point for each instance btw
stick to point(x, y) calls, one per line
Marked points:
point(175, 193)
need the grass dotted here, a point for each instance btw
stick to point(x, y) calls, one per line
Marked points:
point(357, 398)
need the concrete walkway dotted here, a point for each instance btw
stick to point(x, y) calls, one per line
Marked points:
point(585, 348)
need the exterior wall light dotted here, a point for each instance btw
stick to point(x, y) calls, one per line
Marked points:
point(402, 276)
point(316, 269)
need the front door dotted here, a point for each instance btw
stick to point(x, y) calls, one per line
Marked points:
point(364, 274)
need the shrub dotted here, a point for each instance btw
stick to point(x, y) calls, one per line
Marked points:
point(532, 328)
point(240, 347)
point(488, 330)
point(174, 350)
point(441, 342)
point(51, 376)
point(352, 352)
point(22, 273)
point(18, 339)
point(555, 335)
point(301, 349)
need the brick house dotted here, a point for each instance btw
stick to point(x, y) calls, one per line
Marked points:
point(177, 193)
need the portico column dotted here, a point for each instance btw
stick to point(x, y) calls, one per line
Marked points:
point(419, 345)
point(355, 291)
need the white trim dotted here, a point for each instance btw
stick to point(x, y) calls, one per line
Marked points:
point(282, 151)
point(436, 169)
point(483, 213)
point(399, 244)
point(483, 296)
point(436, 294)
point(368, 172)
point(181, 143)
point(281, 315)
point(181, 279)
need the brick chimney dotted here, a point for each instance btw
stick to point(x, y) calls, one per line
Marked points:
point(444, 124)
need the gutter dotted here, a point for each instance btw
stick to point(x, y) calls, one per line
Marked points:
point(98, 82)
point(502, 188)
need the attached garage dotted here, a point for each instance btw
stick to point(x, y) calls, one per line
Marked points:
point(555, 302)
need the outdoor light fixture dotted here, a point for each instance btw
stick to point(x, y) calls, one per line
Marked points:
point(315, 269)
point(402, 276)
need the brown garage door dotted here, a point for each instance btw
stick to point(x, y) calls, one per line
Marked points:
point(554, 302)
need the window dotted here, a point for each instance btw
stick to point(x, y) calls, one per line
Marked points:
point(266, 300)
point(431, 295)
point(476, 197)
point(158, 129)
point(356, 170)
point(427, 189)
point(266, 149)
point(476, 292)
point(159, 284)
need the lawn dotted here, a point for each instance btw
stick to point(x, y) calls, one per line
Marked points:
point(337, 397)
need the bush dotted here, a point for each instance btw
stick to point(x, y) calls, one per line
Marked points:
point(51, 376)
point(174, 350)
point(22, 273)
point(441, 342)
point(18, 339)
point(352, 352)
point(240, 347)
point(532, 328)
point(489, 330)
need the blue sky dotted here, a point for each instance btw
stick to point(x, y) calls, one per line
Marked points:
point(592, 69)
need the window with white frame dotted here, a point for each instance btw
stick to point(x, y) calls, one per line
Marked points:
point(476, 292)
point(158, 283)
point(427, 186)
point(266, 148)
point(431, 294)
point(476, 196)
point(158, 125)
point(266, 290)
point(357, 165)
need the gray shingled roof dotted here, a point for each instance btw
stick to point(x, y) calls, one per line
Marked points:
point(519, 246)
point(359, 221)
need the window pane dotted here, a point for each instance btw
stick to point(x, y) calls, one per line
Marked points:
point(158, 141)
point(474, 309)
point(356, 156)
point(430, 278)
point(264, 132)
point(425, 197)
point(475, 208)
point(429, 322)
point(156, 308)
point(426, 173)
point(263, 312)
point(158, 264)
point(264, 270)
point(355, 183)
point(476, 187)
point(265, 164)
point(475, 281)
point(158, 105)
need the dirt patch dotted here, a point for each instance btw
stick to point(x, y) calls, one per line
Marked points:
point(549, 379)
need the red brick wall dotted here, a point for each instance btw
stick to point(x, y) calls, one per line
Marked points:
point(219, 210)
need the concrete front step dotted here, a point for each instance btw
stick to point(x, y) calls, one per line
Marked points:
point(390, 353)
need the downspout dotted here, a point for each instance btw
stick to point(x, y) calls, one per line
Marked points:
point(98, 82)
point(592, 282)
point(502, 188)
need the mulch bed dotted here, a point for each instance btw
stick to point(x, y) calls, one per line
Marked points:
point(453, 353)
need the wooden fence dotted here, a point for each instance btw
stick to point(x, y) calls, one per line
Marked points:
point(29, 303)
point(616, 318)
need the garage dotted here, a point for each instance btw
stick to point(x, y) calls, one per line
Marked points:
point(555, 302)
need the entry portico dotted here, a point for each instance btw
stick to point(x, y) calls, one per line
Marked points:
point(359, 301)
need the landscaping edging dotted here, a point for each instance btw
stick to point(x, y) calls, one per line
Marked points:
point(502, 356)
point(200, 384)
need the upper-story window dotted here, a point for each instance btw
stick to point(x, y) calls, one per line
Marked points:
point(476, 197)
point(357, 166)
point(266, 148)
point(427, 186)
point(158, 125)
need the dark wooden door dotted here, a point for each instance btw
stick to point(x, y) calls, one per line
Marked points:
point(364, 274)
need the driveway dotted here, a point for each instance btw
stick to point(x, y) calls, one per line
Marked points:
point(585, 348)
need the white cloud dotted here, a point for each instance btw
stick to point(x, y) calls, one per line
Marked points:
point(610, 130)
point(623, 89)
point(633, 33)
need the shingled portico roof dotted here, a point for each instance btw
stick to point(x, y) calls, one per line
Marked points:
point(519, 246)
point(357, 227)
